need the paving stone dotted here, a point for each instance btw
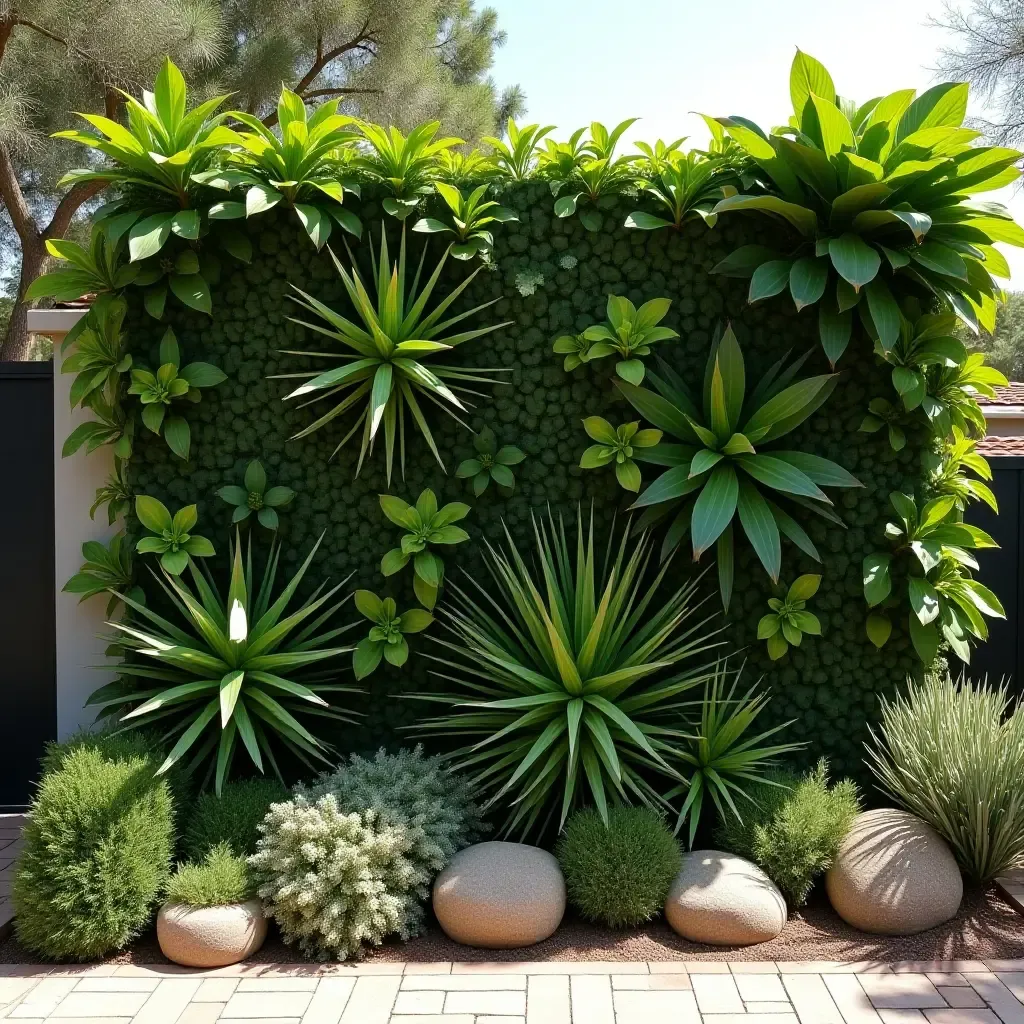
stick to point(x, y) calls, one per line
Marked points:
point(758, 1007)
point(999, 997)
point(1005, 965)
point(832, 967)
point(12, 989)
point(201, 1013)
point(101, 1004)
point(651, 983)
point(547, 1000)
point(215, 990)
point(754, 967)
point(811, 999)
point(267, 1004)
point(494, 1002)
point(749, 1018)
point(371, 1000)
point(765, 988)
point(463, 982)
point(608, 967)
point(961, 997)
point(716, 993)
point(591, 999)
point(850, 998)
point(936, 966)
point(691, 967)
point(961, 1017)
point(901, 1016)
point(112, 984)
point(655, 1008)
point(43, 998)
point(278, 984)
point(907, 991)
point(947, 979)
point(329, 1001)
point(88, 1020)
point(418, 1018)
point(169, 1000)
point(444, 967)
point(500, 1020)
point(419, 1002)
point(1014, 981)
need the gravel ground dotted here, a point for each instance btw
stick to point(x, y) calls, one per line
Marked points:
point(986, 927)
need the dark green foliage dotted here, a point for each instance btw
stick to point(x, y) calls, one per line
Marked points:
point(830, 686)
point(97, 853)
point(221, 878)
point(232, 818)
point(618, 874)
point(795, 828)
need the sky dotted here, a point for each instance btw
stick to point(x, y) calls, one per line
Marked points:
point(584, 60)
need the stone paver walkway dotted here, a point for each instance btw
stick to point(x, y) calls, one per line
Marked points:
point(10, 844)
point(551, 992)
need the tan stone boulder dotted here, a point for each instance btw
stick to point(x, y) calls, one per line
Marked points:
point(724, 900)
point(210, 936)
point(894, 875)
point(500, 896)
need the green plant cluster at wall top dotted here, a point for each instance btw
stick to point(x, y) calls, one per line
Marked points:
point(563, 254)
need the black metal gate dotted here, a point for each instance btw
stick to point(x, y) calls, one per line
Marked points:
point(28, 698)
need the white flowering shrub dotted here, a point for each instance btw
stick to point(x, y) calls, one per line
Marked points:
point(528, 281)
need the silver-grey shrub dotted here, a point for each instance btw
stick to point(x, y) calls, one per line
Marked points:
point(953, 754)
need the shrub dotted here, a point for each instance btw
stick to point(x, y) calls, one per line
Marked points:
point(618, 874)
point(221, 878)
point(950, 753)
point(97, 854)
point(794, 828)
point(232, 818)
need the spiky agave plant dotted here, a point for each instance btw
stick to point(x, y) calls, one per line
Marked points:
point(237, 669)
point(569, 680)
point(384, 372)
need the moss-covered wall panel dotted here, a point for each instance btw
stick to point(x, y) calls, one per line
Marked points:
point(830, 685)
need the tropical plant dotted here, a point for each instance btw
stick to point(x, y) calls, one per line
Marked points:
point(952, 400)
point(880, 199)
point(172, 382)
point(386, 638)
point(459, 168)
point(256, 496)
point(470, 214)
point(238, 667)
point(882, 413)
point(789, 620)
point(945, 602)
point(615, 446)
point(953, 754)
point(295, 168)
point(927, 341)
point(97, 270)
point(169, 536)
point(99, 357)
point(558, 160)
point(113, 425)
point(794, 828)
point(590, 181)
point(107, 569)
point(426, 525)
point(220, 879)
point(686, 187)
point(721, 759)
point(618, 873)
point(575, 348)
point(721, 458)
point(490, 463)
point(517, 158)
point(385, 357)
point(947, 468)
point(231, 818)
point(567, 679)
point(659, 156)
point(405, 165)
point(116, 493)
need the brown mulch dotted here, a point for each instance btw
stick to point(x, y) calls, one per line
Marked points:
point(986, 928)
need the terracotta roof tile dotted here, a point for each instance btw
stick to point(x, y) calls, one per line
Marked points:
point(1011, 394)
point(995, 446)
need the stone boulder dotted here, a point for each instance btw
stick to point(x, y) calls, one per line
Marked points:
point(894, 875)
point(724, 900)
point(500, 896)
point(210, 936)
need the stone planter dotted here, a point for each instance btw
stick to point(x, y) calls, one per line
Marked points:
point(210, 936)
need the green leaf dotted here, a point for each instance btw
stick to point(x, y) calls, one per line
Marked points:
point(925, 639)
point(714, 508)
point(804, 587)
point(876, 579)
point(885, 313)
point(641, 221)
point(924, 601)
point(192, 290)
point(147, 236)
point(878, 628)
point(854, 260)
point(367, 657)
point(808, 76)
point(742, 262)
point(369, 604)
point(769, 279)
point(807, 280)
point(178, 436)
point(944, 104)
point(761, 529)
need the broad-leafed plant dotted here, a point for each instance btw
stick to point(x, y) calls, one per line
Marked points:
point(516, 159)
point(113, 425)
point(386, 639)
point(879, 200)
point(931, 551)
point(296, 168)
point(170, 537)
point(238, 667)
point(894, 418)
point(470, 215)
point(686, 187)
point(567, 678)
point(724, 463)
point(459, 168)
point(384, 373)
point(426, 526)
point(256, 497)
point(172, 382)
point(787, 622)
point(107, 569)
point(97, 270)
point(490, 463)
point(100, 355)
point(948, 469)
point(615, 448)
point(659, 156)
point(116, 493)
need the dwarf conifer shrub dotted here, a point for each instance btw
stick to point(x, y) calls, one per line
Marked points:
point(618, 874)
point(97, 854)
point(221, 878)
point(232, 818)
point(794, 829)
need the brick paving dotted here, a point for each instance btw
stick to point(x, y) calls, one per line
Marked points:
point(10, 845)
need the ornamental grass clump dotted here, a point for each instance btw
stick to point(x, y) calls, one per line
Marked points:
point(794, 829)
point(233, 818)
point(953, 754)
point(618, 874)
point(221, 879)
point(97, 853)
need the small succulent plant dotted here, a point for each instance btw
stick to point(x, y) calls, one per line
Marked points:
point(615, 447)
point(169, 536)
point(107, 570)
point(789, 620)
point(386, 638)
point(490, 463)
point(256, 497)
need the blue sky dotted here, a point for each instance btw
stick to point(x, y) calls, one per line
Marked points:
point(584, 60)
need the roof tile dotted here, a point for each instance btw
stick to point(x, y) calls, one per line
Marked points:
point(996, 446)
point(1010, 394)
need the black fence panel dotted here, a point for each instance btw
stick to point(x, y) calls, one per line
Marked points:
point(28, 698)
point(1002, 570)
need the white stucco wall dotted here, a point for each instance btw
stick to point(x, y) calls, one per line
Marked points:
point(76, 478)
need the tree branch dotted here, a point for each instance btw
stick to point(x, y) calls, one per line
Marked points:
point(315, 93)
point(69, 206)
point(21, 216)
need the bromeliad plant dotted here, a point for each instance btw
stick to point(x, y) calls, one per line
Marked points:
point(726, 462)
point(490, 463)
point(169, 536)
point(615, 446)
point(427, 525)
point(237, 668)
point(97, 270)
point(789, 620)
point(686, 187)
point(384, 372)
point(567, 679)
point(107, 569)
point(470, 214)
point(932, 550)
point(879, 199)
point(100, 355)
point(386, 639)
point(256, 497)
point(516, 159)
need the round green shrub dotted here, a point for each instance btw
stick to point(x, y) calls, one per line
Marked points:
point(233, 817)
point(222, 878)
point(618, 874)
point(793, 829)
point(97, 855)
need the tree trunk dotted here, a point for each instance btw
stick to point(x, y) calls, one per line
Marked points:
point(15, 343)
